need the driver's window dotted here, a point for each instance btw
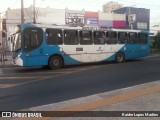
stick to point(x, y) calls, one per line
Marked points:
point(32, 38)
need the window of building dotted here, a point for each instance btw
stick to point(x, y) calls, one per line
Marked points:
point(54, 36)
point(122, 37)
point(132, 38)
point(111, 37)
point(143, 38)
point(71, 37)
point(142, 26)
point(99, 37)
point(86, 37)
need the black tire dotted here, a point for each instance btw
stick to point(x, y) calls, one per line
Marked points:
point(55, 62)
point(120, 57)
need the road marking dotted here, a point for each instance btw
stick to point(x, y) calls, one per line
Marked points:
point(61, 71)
point(2, 78)
point(16, 78)
point(47, 77)
point(6, 85)
point(22, 83)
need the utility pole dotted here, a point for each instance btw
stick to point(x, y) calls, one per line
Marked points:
point(130, 18)
point(129, 13)
point(22, 12)
point(34, 12)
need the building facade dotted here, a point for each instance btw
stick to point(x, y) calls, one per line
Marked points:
point(124, 18)
point(136, 18)
point(0, 29)
point(74, 17)
point(110, 7)
point(107, 20)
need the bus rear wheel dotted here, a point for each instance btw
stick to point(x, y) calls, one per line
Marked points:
point(55, 62)
point(120, 57)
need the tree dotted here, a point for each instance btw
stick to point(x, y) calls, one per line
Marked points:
point(156, 44)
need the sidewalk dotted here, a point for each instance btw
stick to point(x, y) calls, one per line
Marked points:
point(7, 63)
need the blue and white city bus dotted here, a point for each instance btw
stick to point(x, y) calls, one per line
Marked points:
point(57, 46)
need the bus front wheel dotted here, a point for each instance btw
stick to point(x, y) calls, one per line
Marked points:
point(55, 62)
point(120, 57)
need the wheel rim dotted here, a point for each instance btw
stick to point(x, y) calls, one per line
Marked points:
point(56, 62)
point(119, 58)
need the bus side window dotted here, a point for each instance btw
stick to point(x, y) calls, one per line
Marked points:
point(122, 37)
point(54, 36)
point(86, 37)
point(132, 38)
point(111, 37)
point(99, 37)
point(34, 39)
point(143, 38)
point(71, 37)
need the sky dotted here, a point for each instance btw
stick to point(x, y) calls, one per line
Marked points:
point(88, 5)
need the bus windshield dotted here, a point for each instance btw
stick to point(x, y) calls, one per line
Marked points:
point(17, 42)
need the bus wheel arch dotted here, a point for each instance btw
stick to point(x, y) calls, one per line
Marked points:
point(120, 57)
point(55, 62)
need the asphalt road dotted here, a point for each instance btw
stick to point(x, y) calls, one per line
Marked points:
point(22, 88)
